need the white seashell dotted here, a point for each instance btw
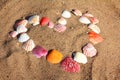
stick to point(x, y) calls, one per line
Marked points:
point(66, 14)
point(29, 45)
point(23, 37)
point(62, 21)
point(80, 58)
point(34, 20)
point(88, 15)
point(21, 29)
point(13, 34)
point(84, 20)
point(76, 12)
point(94, 28)
point(22, 22)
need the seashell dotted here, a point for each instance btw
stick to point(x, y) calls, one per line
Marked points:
point(94, 28)
point(50, 24)
point(29, 45)
point(23, 37)
point(80, 57)
point(89, 50)
point(88, 15)
point(22, 22)
point(21, 29)
point(39, 51)
point(69, 65)
point(62, 21)
point(84, 20)
point(95, 38)
point(66, 14)
point(94, 20)
point(44, 21)
point(13, 34)
point(60, 28)
point(54, 57)
point(34, 20)
point(76, 12)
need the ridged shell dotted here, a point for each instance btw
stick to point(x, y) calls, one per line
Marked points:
point(76, 12)
point(60, 28)
point(21, 29)
point(69, 65)
point(29, 45)
point(80, 57)
point(89, 50)
point(66, 14)
point(50, 24)
point(84, 20)
point(13, 34)
point(94, 28)
point(62, 21)
point(23, 37)
point(34, 20)
point(94, 20)
point(22, 22)
point(44, 21)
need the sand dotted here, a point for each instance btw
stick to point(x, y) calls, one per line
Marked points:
point(17, 64)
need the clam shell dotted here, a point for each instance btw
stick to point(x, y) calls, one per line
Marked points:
point(21, 29)
point(34, 20)
point(94, 28)
point(76, 12)
point(84, 20)
point(23, 37)
point(89, 50)
point(62, 21)
point(44, 21)
point(94, 20)
point(66, 14)
point(60, 28)
point(69, 65)
point(80, 58)
point(22, 22)
point(50, 24)
point(29, 45)
point(13, 34)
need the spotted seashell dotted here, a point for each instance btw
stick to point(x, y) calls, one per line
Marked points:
point(89, 50)
point(13, 34)
point(66, 14)
point(22, 22)
point(94, 28)
point(50, 24)
point(84, 20)
point(94, 20)
point(34, 20)
point(80, 57)
point(21, 29)
point(62, 21)
point(29, 45)
point(23, 37)
point(76, 12)
point(60, 28)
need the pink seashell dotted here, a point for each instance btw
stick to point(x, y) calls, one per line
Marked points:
point(88, 15)
point(69, 65)
point(22, 22)
point(89, 50)
point(62, 21)
point(38, 51)
point(60, 28)
point(76, 12)
point(29, 45)
point(50, 24)
point(13, 34)
point(94, 20)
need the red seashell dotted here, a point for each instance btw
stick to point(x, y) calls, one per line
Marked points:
point(95, 38)
point(60, 28)
point(44, 21)
point(69, 65)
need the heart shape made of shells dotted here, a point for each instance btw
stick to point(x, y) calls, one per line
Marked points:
point(69, 64)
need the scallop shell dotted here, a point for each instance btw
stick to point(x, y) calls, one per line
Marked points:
point(84, 20)
point(50, 24)
point(44, 21)
point(13, 34)
point(94, 28)
point(76, 12)
point(94, 20)
point(66, 14)
point(34, 20)
point(60, 28)
point(22, 22)
point(69, 65)
point(89, 50)
point(21, 29)
point(29, 45)
point(23, 37)
point(80, 57)
point(62, 21)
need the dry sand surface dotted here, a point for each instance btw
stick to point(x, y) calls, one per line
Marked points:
point(17, 64)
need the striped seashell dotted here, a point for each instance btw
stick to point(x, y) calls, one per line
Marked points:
point(13, 34)
point(66, 14)
point(21, 29)
point(34, 20)
point(76, 12)
point(22, 22)
point(50, 24)
point(29, 45)
point(94, 20)
point(23, 37)
point(89, 50)
point(84, 20)
point(62, 21)
point(94, 28)
point(60, 28)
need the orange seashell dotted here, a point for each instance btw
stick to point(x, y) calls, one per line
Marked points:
point(95, 38)
point(54, 57)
